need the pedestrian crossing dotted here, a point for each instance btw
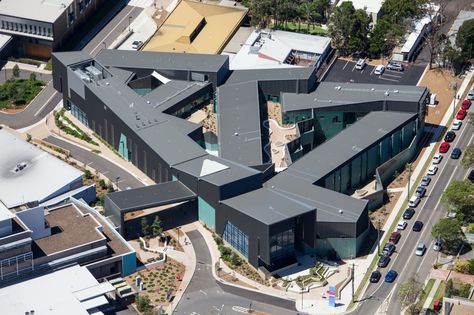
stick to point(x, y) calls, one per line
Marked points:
point(141, 3)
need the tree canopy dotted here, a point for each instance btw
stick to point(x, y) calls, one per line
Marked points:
point(465, 37)
point(459, 196)
point(450, 232)
point(408, 294)
point(468, 156)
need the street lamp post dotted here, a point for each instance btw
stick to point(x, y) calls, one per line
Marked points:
point(129, 22)
point(454, 86)
point(409, 180)
point(378, 236)
point(116, 182)
point(105, 45)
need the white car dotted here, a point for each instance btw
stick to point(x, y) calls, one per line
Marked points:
point(379, 69)
point(360, 64)
point(137, 44)
point(420, 249)
point(432, 170)
point(437, 245)
point(456, 125)
point(437, 158)
point(401, 225)
point(414, 201)
point(470, 95)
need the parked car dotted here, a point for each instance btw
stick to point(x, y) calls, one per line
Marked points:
point(449, 137)
point(360, 64)
point(425, 181)
point(461, 114)
point(388, 249)
point(375, 276)
point(379, 69)
point(137, 44)
point(437, 245)
point(401, 225)
point(444, 147)
point(432, 170)
point(383, 261)
point(420, 249)
point(456, 153)
point(470, 95)
point(390, 276)
point(414, 201)
point(456, 125)
point(471, 176)
point(420, 191)
point(395, 66)
point(417, 226)
point(437, 158)
point(394, 237)
point(466, 104)
point(408, 213)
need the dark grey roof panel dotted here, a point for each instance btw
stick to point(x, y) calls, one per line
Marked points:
point(72, 57)
point(329, 94)
point(268, 206)
point(151, 196)
point(328, 203)
point(162, 60)
point(240, 137)
point(239, 76)
point(345, 145)
point(123, 75)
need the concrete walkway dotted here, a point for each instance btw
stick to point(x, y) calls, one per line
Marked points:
point(27, 67)
point(432, 293)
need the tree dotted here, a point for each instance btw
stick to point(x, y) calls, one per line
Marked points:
point(145, 227)
point(465, 37)
point(261, 12)
point(16, 71)
point(467, 160)
point(408, 294)
point(449, 290)
point(470, 118)
point(156, 228)
point(462, 266)
point(450, 232)
point(459, 195)
point(33, 76)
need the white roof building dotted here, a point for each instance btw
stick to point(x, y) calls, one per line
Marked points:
point(280, 49)
point(28, 174)
point(37, 10)
point(372, 7)
point(72, 291)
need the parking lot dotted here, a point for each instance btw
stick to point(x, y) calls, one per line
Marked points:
point(345, 71)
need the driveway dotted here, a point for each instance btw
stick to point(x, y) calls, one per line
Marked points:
point(344, 71)
point(204, 295)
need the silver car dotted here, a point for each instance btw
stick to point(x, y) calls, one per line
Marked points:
point(470, 95)
point(420, 249)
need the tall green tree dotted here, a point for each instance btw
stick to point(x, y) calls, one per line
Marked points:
point(156, 228)
point(145, 226)
point(450, 232)
point(459, 196)
point(465, 37)
point(16, 71)
point(467, 160)
point(408, 294)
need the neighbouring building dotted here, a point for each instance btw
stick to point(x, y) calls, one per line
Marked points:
point(372, 7)
point(39, 27)
point(344, 135)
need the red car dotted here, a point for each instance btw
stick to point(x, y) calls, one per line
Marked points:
point(466, 104)
point(461, 114)
point(444, 147)
point(394, 237)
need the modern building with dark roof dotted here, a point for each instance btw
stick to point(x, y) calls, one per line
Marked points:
point(345, 135)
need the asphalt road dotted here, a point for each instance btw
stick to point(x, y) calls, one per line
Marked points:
point(429, 211)
point(204, 295)
point(49, 98)
point(108, 169)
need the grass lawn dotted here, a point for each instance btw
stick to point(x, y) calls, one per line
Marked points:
point(426, 291)
point(19, 92)
point(293, 27)
point(439, 293)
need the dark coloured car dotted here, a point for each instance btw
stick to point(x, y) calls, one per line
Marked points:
point(408, 214)
point(391, 275)
point(420, 191)
point(394, 237)
point(449, 137)
point(417, 226)
point(388, 249)
point(375, 276)
point(456, 153)
point(383, 261)
point(471, 176)
point(425, 181)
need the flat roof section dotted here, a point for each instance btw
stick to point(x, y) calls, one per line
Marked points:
point(66, 291)
point(240, 134)
point(332, 94)
point(196, 27)
point(328, 203)
point(37, 10)
point(71, 227)
point(162, 61)
point(25, 172)
point(268, 206)
point(151, 196)
point(333, 153)
point(240, 76)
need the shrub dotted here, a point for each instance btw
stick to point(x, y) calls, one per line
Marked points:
point(464, 290)
point(462, 266)
point(471, 266)
point(218, 239)
point(102, 184)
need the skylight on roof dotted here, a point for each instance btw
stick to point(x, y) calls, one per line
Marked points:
point(210, 167)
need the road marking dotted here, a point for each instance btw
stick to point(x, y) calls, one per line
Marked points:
point(112, 30)
point(347, 62)
point(203, 292)
point(240, 309)
point(388, 79)
point(392, 75)
point(46, 103)
point(371, 72)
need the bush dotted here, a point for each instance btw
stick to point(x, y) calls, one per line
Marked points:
point(142, 302)
point(218, 239)
point(464, 290)
point(102, 184)
point(235, 259)
point(471, 266)
point(462, 266)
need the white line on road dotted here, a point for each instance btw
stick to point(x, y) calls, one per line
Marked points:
point(46, 103)
point(347, 62)
point(381, 78)
point(372, 72)
point(393, 75)
point(203, 292)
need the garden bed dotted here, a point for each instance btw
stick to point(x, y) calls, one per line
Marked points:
point(17, 93)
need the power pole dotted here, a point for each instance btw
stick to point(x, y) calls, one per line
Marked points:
point(409, 180)
point(378, 236)
point(352, 281)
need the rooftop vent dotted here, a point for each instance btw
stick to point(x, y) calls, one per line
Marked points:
point(395, 91)
point(340, 211)
point(337, 88)
point(20, 167)
point(236, 134)
point(372, 89)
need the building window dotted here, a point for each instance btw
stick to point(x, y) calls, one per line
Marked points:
point(282, 244)
point(237, 239)
point(335, 120)
point(78, 113)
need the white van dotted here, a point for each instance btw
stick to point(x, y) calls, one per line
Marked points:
point(414, 201)
point(360, 64)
